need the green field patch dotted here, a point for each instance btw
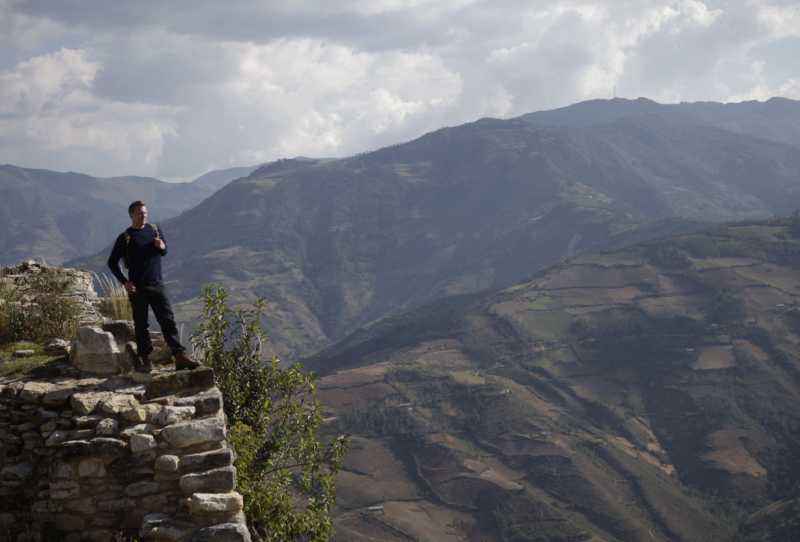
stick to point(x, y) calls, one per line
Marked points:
point(756, 232)
point(775, 276)
point(596, 296)
point(672, 305)
point(714, 357)
point(717, 263)
point(609, 260)
point(596, 277)
point(468, 378)
point(543, 325)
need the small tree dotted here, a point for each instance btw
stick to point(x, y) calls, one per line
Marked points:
point(286, 474)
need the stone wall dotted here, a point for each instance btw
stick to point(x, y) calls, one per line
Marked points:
point(102, 458)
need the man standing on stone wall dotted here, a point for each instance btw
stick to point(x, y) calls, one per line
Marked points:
point(141, 247)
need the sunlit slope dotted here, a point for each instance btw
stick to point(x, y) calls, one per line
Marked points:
point(646, 394)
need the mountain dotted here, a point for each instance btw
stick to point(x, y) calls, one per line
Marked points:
point(774, 119)
point(336, 244)
point(216, 179)
point(649, 393)
point(59, 216)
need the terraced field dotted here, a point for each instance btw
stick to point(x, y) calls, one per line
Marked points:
point(646, 394)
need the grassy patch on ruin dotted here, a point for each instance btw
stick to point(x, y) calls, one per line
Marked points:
point(12, 367)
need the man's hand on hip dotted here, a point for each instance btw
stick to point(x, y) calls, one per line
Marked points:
point(159, 243)
point(130, 287)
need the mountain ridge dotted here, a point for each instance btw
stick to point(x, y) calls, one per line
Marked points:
point(644, 393)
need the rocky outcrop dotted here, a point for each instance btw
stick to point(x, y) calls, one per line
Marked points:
point(104, 457)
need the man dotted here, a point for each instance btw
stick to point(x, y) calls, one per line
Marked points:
point(141, 247)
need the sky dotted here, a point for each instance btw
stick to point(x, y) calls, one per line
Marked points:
point(175, 89)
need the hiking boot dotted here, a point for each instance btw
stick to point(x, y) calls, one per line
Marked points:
point(182, 361)
point(144, 365)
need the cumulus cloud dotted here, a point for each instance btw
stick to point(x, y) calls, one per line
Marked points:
point(174, 89)
point(49, 113)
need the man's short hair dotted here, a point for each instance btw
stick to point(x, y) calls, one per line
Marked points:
point(135, 205)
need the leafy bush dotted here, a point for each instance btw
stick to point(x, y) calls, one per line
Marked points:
point(285, 473)
point(39, 313)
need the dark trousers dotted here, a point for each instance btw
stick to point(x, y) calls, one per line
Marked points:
point(153, 296)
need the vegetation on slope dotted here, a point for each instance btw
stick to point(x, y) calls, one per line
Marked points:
point(645, 394)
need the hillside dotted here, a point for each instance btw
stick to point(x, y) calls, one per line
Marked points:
point(337, 244)
point(645, 394)
point(59, 216)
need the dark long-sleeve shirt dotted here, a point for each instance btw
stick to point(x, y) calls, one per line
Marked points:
point(136, 247)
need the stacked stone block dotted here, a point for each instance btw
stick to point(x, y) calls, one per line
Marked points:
point(106, 458)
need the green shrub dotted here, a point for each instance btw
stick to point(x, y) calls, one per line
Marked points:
point(41, 313)
point(286, 474)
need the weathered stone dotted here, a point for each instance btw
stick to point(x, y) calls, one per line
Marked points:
point(184, 434)
point(69, 522)
point(224, 532)
point(46, 507)
point(83, 506)
point(206, 403)
point(63, 470)
point(96, 351)
point(107, 427)
point(85, 422)
point(210, 503)
point(80, 434)
point(207, 460)
point(142, 442)
point(153, 503)
point(19, 471)
point(161, 527)
point(64, 490)
point(85, 403)
point(135, 415)
point(58, 347)
point(10, 391)
point(32, 392)
point(92, 467)
point(117, 403)
point(137, 429)
point(122, 330)
point(58, 396)
point(98, 446)
point(214, 481)
point(48, 415)
point(7, 520)
point(48, 427)
point(115, 505)
point(167, 463)
point(169, 415)
point(180, 381)
point(23, 353)
point(56, 438)
point(142, 488)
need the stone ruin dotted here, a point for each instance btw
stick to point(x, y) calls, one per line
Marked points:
point(92, 451)
point(101, 458)
point(80, 286)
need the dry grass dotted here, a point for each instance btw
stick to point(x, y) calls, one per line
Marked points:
point(115, 303)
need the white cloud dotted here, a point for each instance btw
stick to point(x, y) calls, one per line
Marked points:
point(22, 31)
point(50, 115)
point(249, 81)
point(322, 99)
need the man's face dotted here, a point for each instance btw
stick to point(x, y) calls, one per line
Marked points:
point(139, 216)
